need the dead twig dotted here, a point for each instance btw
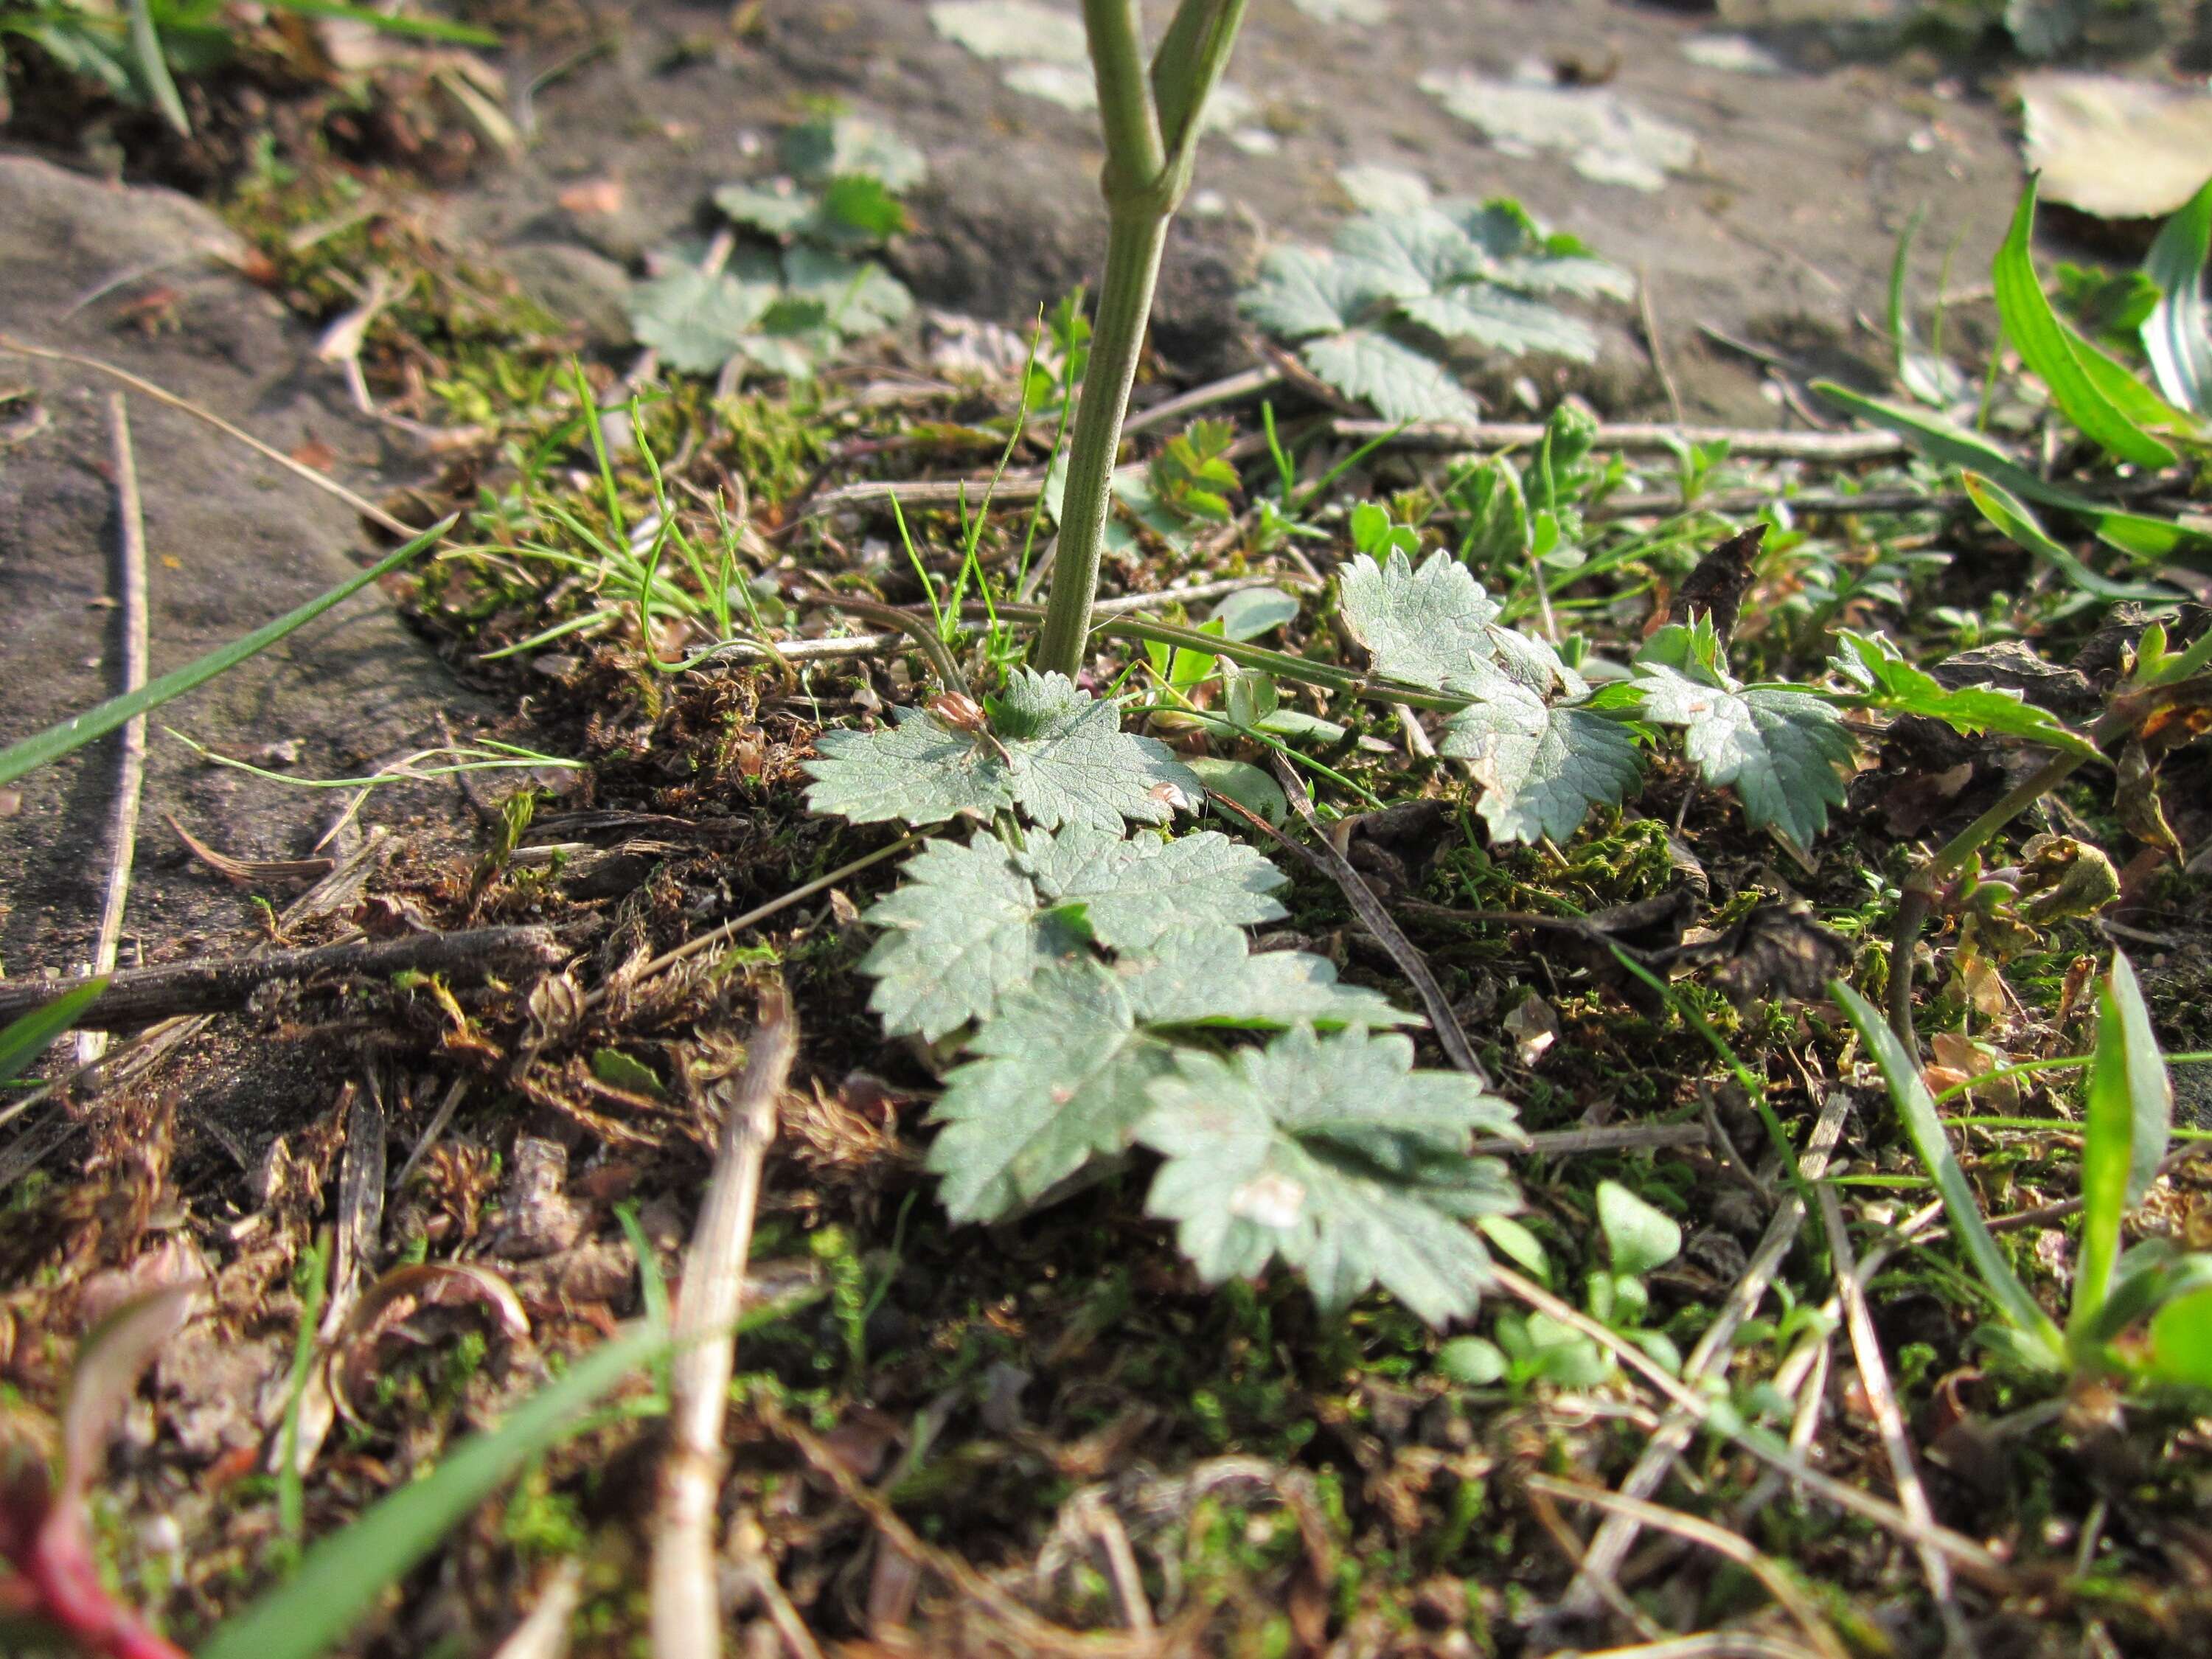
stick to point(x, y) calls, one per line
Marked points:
point(1718, 1540)
point(250, 872)
point(1984, 1567)
point(686, 1605)
point(1609, 1548)
point(136, 1057)
point(131, 755)
point(1323, 856)
point(1248, 384)
point(1889, 1422)
point(361, 504)
point(1648, 317)
point(737, 925)
point(1035, 1633)
point(1708, 1644)
point(853, 647)
point(1754, 443)
point(141, 996)
point(1613, 1138)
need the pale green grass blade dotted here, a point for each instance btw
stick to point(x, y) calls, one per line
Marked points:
point(2181, 1340)
point(1925, 1130)
point(55, 741)
point(1940, 441)
point(24, 1040)
point(2016, 520)
point(2107, 1133)
point(343, 1574)
point(2149, 1088)
point(154, 69)
point(2177, 333)
point(2097, 394)
point(384, 23)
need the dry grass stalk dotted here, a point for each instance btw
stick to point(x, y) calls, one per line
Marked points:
point(687, 1621)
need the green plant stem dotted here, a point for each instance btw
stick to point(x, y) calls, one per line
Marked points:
point(1148, 164)
point(1134, 240)
point(914, 628)
point(1304, 670)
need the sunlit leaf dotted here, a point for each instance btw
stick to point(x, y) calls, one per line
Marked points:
point(1334, 1156)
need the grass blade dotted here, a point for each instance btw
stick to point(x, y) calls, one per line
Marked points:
point(2107, 1134)
point(1939, 440)
point(55, 741)
point(2181, 1340)
point(154, 69)
point(2149, 1089)
point(1925, 1130)
point(344, 1573)
point(2015, 520)
point(2177, 333)
point(383, 23)
point(2085, 384)
point(24, 1040)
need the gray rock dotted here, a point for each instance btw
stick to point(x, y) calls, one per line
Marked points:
point(585, 288)
point(234, 542)
point(1781, 228)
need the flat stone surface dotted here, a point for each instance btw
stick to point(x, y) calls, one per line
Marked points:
point(234, 542)
point(1781, 227)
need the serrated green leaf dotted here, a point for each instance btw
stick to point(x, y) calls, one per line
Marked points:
point(1300, 292)
point(969, 924)
point(1411, 254)
point(1422, 625)
point(857, 296)
point(860, 211)
point(847, 146)
point(965, 928)
point(1554, 273)
point(1073, 764)
point(914, 770)
point(1062, 1064)
point(778, 207)
point(1136, 892)
point(1783, 751)
point(1333, 1155)
point(1062, 1073)
point(695, 319)
point(1210, 976)
point(1403, 384)
point(1066, 760)
point(1889, 682)
point(1503, 321)
point(1542, 767)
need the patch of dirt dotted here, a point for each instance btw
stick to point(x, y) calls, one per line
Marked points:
point(234, 542)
